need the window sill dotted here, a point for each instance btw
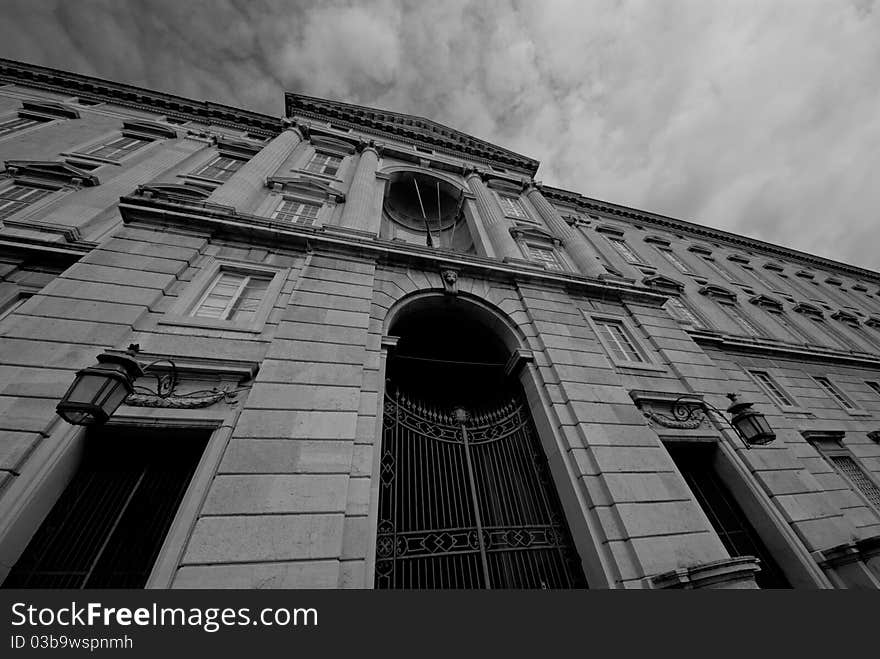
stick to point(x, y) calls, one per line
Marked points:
point(210, 323)
point(636, 366)
point(86, 156)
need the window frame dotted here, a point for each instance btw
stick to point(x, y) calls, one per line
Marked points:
point(675, 260)
point(198, 288)
point(41, 200)
point(829, 447)
point(517, 210)
point(529, 245)
point(649, 361)
point(735, 313)
point(626, 251)
point(836, 393)
point(303, 201)
point(700, 324)
point(768, 390)
point(307, 168)
point(199, 172)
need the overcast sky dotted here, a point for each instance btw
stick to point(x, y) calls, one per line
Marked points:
point(759, 117)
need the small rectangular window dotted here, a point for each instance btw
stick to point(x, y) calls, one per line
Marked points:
point(874, 386)
point(626, 251)
point(233, 296)
point(675, 260)
point(15, 124)
point(324, 163)
point(839, 397)
point(297, 212)
point(717, 267)
point(618, 341)
point(744, 322)
point(544, 255)
point(513, 207)
point(220, 168)
point(796, 332)
point(773, 389)
point(16, 197)
point(682, 313)
point(116, 148)
point(847, 466)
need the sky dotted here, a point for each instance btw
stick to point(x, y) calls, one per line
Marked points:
point(757, 117)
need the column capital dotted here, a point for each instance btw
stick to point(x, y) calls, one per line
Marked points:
point(370, 145)
point(296, 126)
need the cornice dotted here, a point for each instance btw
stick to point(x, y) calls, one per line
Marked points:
point(96, 89)
point(223, 220)
point(587, 204)
point(409, 128)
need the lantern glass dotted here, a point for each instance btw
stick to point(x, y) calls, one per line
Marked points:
point(753, 427)
point(98, 391)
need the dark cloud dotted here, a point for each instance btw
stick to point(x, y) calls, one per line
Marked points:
point(757, 117)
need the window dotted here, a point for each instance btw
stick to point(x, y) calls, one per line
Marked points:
point(682, 313)
point(840, 339)
point(117, 148)
point(324, 163)
point(16, 197)
point(839, 397)
point(712, 263)
point(107, 527)
point(235, 296)
point(696, 464)
point(673, 258)
point(220, 168)
point(851, 471)
point(618, 341)
point(15, 124)
point(789, 325)
point(626, 251)
point(744, 322)
point(544, 255)
point(10, 307)
point(776, 393)
point(512, 207)
point(298, 212)
point(757, 276)
point(874, 386)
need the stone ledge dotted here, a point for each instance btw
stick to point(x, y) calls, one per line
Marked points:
point(726, 573)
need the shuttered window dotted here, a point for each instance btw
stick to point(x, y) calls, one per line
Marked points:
point(512, 207)
point(117, 148)
point(618, 341)
point(324, 163)
point(220, 168)
point(17, 197)
point(298, 212)
point(233, 296)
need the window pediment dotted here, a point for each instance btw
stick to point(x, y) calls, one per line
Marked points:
point(845, 317)
point(610, 229)
point(717, 292)
point(663, 283)
point(873, 321)
point(861, 288)
point(803, 274)
point(700, 249)
point(773, 266)
point(46, 109)
point(766, 302)
point(834, 281)
point(51, 171)
point(738, 258)
point(332, 145)
point(658, 240)
point(237, 148)
point(178, 190)
point(504, 186)
point(809, 310)
point(306, 187)
point(534, 233)
point(148, 129)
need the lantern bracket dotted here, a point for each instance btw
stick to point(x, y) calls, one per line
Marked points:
point(685, 407)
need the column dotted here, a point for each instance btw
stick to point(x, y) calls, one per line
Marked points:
point(496, 225)
point(244, 188)
point(360, 210)
point(578, 249)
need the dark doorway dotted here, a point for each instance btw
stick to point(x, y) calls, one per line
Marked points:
point(106, 529)
point(726, 516)
point(466, 497)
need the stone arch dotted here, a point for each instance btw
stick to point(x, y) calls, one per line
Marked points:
point(410, 297)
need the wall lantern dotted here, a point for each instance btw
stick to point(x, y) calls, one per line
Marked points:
point(750, 425)
point(99, 390)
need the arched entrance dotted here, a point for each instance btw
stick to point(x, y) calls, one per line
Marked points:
point(466, 498)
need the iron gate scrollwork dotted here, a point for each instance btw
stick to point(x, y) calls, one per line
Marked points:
point(466, 501)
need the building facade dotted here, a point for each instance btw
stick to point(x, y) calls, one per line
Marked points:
point(379, 353)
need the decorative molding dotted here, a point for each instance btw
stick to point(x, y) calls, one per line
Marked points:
point(104, 91)
point(306, 186)
point(610, 229)
point(658, 240)
point(700, 249)
point(47, 110)
point(775, 267)
point(663, 283)
point(715, 574)
point(847, 317)
point(411, 129)
point(874, 436)
point(809, 309)
point(51, 171)
point(149, 129)
point(803, 274)
point(534, 233)
point(820, 434)
point(767, 302)
point(671, 409)
point(717, 292)
point(738, 258)
point(449, 277)
point(194, 400)
point(517, 361)
point(246, 150)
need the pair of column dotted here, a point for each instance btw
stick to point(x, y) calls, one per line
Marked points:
point(498, 227)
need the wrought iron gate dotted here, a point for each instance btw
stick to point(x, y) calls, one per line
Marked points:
point(466, 501)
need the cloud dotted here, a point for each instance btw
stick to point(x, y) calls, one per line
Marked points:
point(756, 117)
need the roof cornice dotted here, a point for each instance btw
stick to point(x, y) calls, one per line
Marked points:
point(409, 128)
point(588, 204)
point(96, 89)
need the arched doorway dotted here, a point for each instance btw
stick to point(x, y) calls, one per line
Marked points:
point(466, 497)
